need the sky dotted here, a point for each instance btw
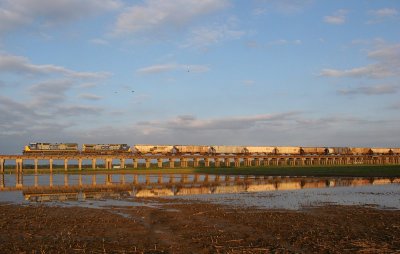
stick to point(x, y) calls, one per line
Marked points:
point(207, 72)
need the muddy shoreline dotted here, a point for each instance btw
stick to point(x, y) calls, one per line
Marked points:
point(197, 227)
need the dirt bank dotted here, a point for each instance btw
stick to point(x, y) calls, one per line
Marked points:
point(197, 228)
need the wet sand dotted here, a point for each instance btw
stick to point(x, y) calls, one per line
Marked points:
point(197, 227)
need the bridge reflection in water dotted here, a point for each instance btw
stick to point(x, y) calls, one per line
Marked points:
point(58, 187)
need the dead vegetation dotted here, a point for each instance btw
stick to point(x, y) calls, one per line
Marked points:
point(197, 228)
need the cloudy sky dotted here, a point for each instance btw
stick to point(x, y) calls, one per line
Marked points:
point(256, 72)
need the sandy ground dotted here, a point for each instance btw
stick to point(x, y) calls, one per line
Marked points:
point(197, 227)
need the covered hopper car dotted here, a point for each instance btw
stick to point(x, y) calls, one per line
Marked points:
point(314, 150)
point(105, 148)
point(339, 150)
point(360, 150)
point(184, 149)
point(380, 151)
point(293, 150)
point(260, 150)
point(154, 149)
point(228, 150)
point(51, 148)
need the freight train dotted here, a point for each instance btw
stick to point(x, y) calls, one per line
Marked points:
point(145, 149)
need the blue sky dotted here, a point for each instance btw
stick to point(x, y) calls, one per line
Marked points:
point(261, 72)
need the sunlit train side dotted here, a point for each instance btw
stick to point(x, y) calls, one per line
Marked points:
point(360, 150)
point(105, 148)
point(339, 150)
point(289, 150)
point(143, 149)
point(154, 149)
point(260, 150)
point(380, 151)
point(51, 148)
point(192, 149)
point(228, 150)
point(314, 150)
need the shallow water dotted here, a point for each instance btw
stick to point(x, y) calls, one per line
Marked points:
point(379, 196)
point(105, 190)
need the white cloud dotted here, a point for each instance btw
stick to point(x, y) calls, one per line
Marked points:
point(382, 15)
point(338, 18)
point(259, 11)
point(248, 82)
point(20, 13)
point(91, 97)
point(370, 90)
point(205, 36)
point(22, 65)
point(388, 64)
point(284, 42)
point(159, 15)
point(160, 68)
point(99, 41)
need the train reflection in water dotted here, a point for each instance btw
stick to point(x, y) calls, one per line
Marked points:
point(59, 187)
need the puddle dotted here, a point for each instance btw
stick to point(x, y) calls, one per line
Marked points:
point(127, 190)
point(379, 196)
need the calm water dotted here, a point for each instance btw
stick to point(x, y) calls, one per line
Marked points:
point(104, 190)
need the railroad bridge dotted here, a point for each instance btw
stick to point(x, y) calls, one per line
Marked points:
point(171, 161)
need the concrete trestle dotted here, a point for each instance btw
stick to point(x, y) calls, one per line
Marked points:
point(148, 161)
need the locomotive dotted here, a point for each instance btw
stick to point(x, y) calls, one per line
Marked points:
point(72, 148)
point(51, 148)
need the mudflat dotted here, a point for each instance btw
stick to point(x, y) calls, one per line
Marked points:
point(196, 227)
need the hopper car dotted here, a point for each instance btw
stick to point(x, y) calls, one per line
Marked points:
point(258, 150)
point(292, 150)
point(380, 151)
point(105, 148)
point(51, 148)
point(154, 149)
point(183, 149)
point(395, 150)
point(360, 150)
point(314, 150)
point(228, 150)
point(339, 150)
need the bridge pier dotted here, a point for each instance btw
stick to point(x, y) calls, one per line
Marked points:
point(207, 162)
point(257, 162)
point(196, 162)
point(147, 163)
point(93, 163)
point(18, 166)
point(183, 162)
point(227, 162)
point(135, 163)
point(159, 163)
point(2, 165)
point(108, 163)
point(65, 165)
point(217, 162)
point(51, 165)
point(171, 163)
point(35, 164)
point(122, 163)
point(80, 164)
point(237, 162)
